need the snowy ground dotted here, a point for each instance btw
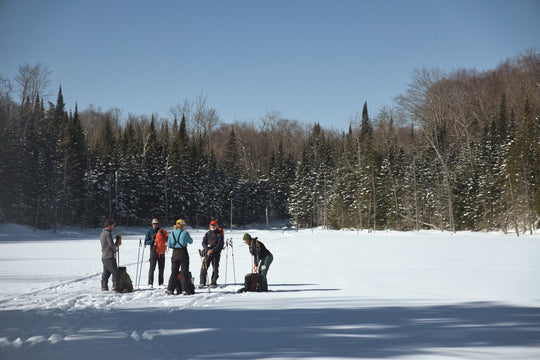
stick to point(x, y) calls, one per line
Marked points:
point(334, 294)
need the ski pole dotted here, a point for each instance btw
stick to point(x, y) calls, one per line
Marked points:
point(226, 260)
point(138, 259)
point(232, 253)
point(140, 269)
point(204, 265)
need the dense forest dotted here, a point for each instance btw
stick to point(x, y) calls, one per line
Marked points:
point(458, 150)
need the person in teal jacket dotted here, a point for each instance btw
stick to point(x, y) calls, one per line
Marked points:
point(178, 241)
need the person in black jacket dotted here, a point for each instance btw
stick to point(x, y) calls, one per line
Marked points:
point(262, 258)
point(212, 243)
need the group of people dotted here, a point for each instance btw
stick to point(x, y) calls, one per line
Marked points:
point(213, 243)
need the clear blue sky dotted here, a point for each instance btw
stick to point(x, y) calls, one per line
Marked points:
point(314, 61)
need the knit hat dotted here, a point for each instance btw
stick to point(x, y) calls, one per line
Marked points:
point(180, 222)
point(155, 221)
point(213, 222)
point(247, 237)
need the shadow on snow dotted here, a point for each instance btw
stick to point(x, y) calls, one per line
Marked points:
point(374, 332)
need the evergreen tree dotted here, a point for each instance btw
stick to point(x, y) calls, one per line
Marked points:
point(343, 204)
point(536, 171)
point(301, 204)
point(281, 173)
point(50, 134)
point(365, 174)
point(322, 187)
point(10, 169)
point(74, 167)
point(181, 168)
point(231, 159)
point(152, 175)
point(127, 178)
point(523, 153)
point(102, 176)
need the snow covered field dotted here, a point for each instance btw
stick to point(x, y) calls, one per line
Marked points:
point(334, 294)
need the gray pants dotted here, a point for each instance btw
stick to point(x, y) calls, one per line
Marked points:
point(109, 268)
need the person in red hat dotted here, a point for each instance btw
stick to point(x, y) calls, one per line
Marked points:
point(212, 243)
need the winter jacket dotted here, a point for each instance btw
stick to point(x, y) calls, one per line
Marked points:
point(150, 237)
point(259, 251)
point(182, 239)
point(108, 248)
point(213, 240)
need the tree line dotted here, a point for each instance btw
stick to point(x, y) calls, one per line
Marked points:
point(457, 150)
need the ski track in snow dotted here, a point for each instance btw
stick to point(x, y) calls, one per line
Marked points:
point(61, 299)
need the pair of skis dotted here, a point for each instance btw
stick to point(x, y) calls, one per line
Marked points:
point(229, 243)
point(140, 261)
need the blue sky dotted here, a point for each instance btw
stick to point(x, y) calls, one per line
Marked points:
point(313, 61)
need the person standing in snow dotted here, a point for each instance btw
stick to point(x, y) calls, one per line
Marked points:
point(213, 244)
point(108, 251)
point(262, 258)
point(178, 241)
point(150, 240)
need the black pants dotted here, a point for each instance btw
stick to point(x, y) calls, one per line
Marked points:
point(179, 262)
point(160, 261)
point(109, 268)
point(212, 259)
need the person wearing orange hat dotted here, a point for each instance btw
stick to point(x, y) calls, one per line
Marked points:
point(212, 243)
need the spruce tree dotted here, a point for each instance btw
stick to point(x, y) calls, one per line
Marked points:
point(231, 159)
point(343, 204)
point(301, 196)
point(281, 175)
point(127, 178)
point(74, 168)
point(101, 178)
point(153, 172)
point(181, 169)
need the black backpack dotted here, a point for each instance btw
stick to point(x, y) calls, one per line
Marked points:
point(191, 287)
point(124, 284)
point(251, 282)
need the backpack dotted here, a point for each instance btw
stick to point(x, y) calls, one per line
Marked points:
point(161, 241)
point(251, 282)
point(178, 284)
point(124, 284)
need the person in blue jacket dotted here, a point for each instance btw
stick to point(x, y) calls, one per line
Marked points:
point(178, 241)
point(150, 240)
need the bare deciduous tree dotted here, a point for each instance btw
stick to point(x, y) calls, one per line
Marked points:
point(424, 101)
point(33, 81)
point(6, 102)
